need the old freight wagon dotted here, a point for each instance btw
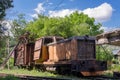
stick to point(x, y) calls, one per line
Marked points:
point(72, 55)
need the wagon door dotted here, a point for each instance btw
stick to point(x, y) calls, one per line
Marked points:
point(38, 49)
point(20, 54)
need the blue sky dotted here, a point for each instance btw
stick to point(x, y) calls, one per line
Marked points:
point(106, 12)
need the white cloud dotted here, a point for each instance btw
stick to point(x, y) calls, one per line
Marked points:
point(61, 13)
point(107, 29)
point(34, 15)
point(40, 8)
point(6, 24)
point(101, 13)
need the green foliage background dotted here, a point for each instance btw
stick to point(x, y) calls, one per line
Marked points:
point(103, 53)
point(76, 24)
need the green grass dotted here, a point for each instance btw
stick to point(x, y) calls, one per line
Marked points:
point(35, 73)
point(112, 68)
point(115, 67)
point(108, 73)
point(26, 72)
point(44, 74)
point(9, 77)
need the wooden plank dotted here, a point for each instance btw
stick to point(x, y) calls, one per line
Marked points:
point(63, 51)
point(38, 49)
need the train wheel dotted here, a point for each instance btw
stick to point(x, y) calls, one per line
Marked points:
point(58, 70)
point(30, 68)
point(78, 74)
point(21, 67)
point(63, 70)
point(40, 68)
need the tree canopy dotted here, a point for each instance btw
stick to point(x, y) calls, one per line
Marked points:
point(4, 4)
point(76, 24)
point(18, 26)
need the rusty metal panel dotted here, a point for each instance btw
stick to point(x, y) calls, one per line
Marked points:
point(89, 65)
point(38, 49)
point(29, 54)
point(19, 54)
point(86, 49)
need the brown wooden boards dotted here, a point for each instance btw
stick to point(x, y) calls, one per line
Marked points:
point(38, 49)
point(72, 49)
point(24, 54)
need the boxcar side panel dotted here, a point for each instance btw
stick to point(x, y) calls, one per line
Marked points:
point(86, 49)
point(63, 51)
point(19, 54)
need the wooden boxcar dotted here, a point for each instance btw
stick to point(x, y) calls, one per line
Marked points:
point(72, 55)
point(23, 54)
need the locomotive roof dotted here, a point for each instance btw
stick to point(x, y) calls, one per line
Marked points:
point(75, 38)
point(51, 37)
point(82, 37)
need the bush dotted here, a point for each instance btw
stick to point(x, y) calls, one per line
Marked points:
point(103, 53)
point(11, 63)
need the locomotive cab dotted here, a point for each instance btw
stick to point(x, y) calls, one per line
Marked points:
point(76, 54)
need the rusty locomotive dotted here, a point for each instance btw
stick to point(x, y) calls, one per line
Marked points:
point(72, 55)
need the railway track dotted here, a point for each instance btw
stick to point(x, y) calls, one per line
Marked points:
point(40, 78)
point(25, 77)
point(101, 78)
point(83, 78)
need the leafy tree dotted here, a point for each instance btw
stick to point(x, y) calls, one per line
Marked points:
point(4, 4)
point(18, 25)
point(103, 53)
point(82, 24)
point(76, 24)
